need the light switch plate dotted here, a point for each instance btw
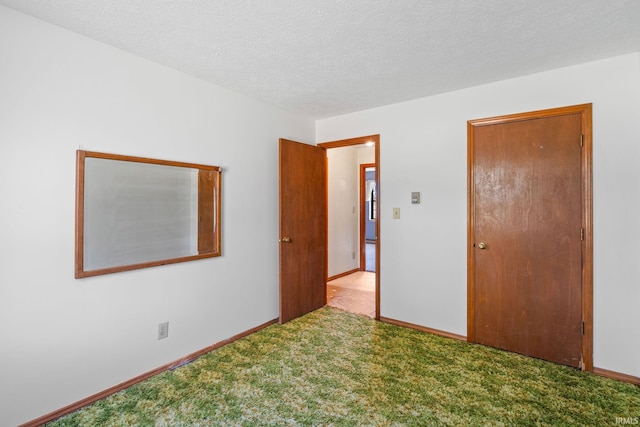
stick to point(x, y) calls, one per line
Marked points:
point(415, 197)
point(396, 213)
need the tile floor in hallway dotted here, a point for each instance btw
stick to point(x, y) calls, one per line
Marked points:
point(354, 292)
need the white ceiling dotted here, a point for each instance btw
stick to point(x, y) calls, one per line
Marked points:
point(327, 57)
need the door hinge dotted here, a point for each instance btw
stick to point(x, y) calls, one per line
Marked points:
point(582, 328)
point(581, 140)
point(582, 234)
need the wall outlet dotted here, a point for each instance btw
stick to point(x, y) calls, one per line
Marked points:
point(163, 330)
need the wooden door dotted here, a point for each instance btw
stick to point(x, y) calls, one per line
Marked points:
point(527, 225)
point(303, 225)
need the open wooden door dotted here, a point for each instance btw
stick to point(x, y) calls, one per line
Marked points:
point(530, 234)
point(303, 228)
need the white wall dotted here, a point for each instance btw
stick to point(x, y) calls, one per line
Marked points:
point(423, 148)
point(343, 219)
point(63, 339)
point(366, 155)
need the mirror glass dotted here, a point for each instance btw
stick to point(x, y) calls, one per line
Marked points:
point(134, 212)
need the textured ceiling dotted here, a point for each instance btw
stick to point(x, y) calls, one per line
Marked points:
point(327, 57)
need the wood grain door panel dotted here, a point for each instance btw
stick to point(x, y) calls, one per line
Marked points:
point(527, 208)
point(303, 223)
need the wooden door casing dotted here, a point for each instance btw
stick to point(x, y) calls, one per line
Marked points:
point(529, 291)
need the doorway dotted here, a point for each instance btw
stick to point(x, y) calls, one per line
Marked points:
point(368, 216)
point(530, 234)
point(352, 279)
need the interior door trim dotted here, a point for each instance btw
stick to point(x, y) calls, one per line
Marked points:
point(376, 142)
point(585, 110)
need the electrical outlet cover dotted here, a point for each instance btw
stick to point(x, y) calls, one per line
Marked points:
point(163, 330)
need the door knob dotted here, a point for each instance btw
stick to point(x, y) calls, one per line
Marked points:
point(482, 245)
point(285, 240)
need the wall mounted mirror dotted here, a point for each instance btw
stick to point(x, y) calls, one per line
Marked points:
point(135, 212)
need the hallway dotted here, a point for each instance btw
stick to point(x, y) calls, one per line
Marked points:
point(370, 256)
point(354, 293)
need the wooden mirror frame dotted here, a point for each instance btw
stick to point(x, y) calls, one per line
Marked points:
point(208, 213)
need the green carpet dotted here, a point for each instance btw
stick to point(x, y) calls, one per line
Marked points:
point(339, 369)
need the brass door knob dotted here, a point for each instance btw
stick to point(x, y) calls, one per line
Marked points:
point(285, 240)
point(482, 245)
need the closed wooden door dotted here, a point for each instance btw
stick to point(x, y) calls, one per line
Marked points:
point(527, 230)
point(303, 225)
